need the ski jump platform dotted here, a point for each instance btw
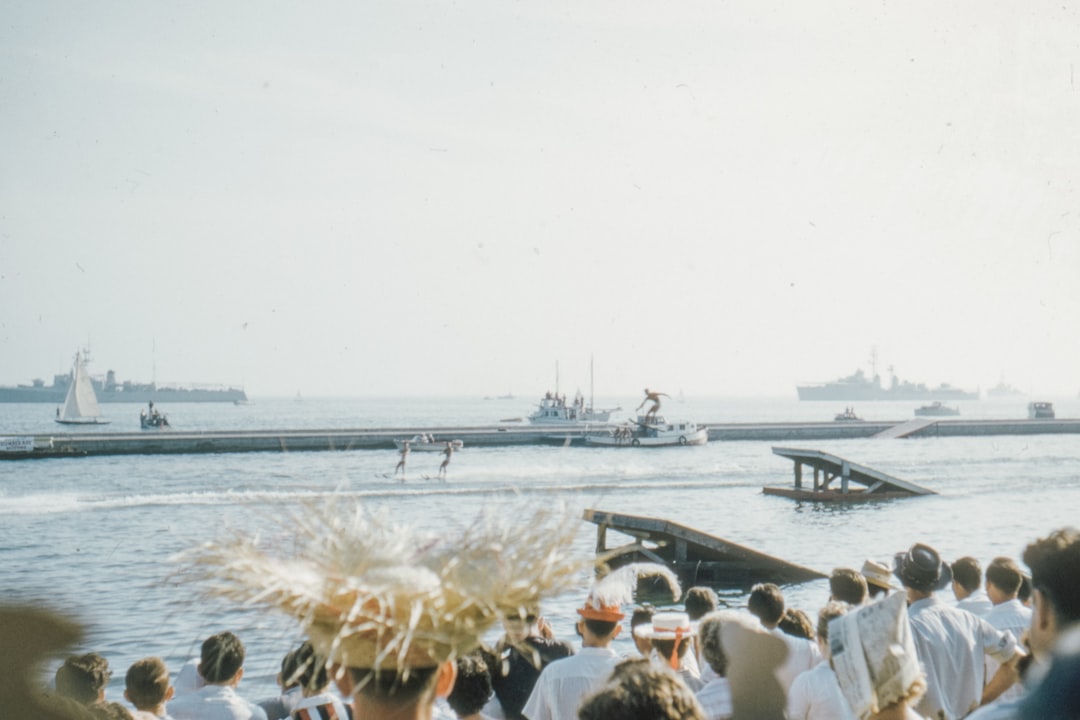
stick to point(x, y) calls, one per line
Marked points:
point(838, 480)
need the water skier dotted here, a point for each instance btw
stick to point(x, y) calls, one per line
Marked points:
point(654, 398)
point(404, 457)
point(448, 452)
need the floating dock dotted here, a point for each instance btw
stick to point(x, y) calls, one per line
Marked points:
point(872, 484)
point(172, 441)
point(696, 557)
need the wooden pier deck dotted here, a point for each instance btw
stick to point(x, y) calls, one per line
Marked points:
point(697, 557)
point(21, 446)
point(875, 485)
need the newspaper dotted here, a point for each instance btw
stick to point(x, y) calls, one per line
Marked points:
point(873, 655)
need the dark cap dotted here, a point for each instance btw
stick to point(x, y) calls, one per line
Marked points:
point(921, 568)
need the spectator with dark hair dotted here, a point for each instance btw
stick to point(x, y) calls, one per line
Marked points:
point(641, 616)
point(766, 602)
point(796, 623)
point(221, 666)
point(472, 688)
point(313, 678)
point(700, 601)
point(847, 586)
point(147, 688)
point(83, 678)
point(1003, 578)
point(967, 586)
point(278, 708)
point(640, 691)
point(527, 646)
point(1024, 593)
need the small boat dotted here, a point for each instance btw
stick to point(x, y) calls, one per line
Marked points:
point(152, 419)
point(936, 409)
point(427, 443)
point(1041, 411)
point(554, 410)
point(653, 431)
point(80, 405)
point(847, 416)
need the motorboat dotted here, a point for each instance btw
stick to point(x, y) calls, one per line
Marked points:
point(936, 409)
point(554, 410)
point(153, 420)
point(847, 416)
point(426, 442)
point(1041, 411)
point(651, 431)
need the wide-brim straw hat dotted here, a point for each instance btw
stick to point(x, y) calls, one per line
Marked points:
point(878, 574)
point(372, 594)
point(667, 626)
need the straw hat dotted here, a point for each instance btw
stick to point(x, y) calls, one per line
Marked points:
point(376, 595)
point(667, 626)
point(878, 574)
point(612, 591)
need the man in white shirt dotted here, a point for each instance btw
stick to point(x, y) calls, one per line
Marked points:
point(967, 586)
point(221, 666)
point(951, 642)
point(816, 694)
point(766, 602)
point(1003, 578)
point(565, 683)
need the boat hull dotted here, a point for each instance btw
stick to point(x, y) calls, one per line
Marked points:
point(696, 437)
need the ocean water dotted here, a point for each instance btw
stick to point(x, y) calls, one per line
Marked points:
point(93, 537)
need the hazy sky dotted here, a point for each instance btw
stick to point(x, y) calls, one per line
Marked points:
point(452, 197)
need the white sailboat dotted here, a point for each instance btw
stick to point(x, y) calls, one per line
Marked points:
point(81, 405)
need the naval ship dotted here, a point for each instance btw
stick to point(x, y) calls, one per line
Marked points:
point(111, 390)
point(861, 387)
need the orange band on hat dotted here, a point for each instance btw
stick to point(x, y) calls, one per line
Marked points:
point(609, 613)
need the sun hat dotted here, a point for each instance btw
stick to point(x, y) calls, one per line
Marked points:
point(608, 594)
point(667, 626)
point(921, 568)
point(877, 574)
point(377, 595)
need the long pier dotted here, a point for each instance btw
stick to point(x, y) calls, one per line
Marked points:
point(163, 442)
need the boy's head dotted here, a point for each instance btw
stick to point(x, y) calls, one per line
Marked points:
point(222, 658)
point(83, 678)
point(147, 683)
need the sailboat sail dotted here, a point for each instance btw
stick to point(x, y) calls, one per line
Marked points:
point(81, 405)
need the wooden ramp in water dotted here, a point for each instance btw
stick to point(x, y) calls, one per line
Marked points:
point(840, 480)
point(698, 558)
point(905, 429)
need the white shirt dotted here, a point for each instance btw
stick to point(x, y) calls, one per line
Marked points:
point(564, 683)
point(816, 695)
point(315, 701)
point(214, 702)
point(1013, 616)
point(950, 644)
point(802, 655)
point(715, 699)
point(977, 602)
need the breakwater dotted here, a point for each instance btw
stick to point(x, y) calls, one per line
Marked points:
point(84, 444)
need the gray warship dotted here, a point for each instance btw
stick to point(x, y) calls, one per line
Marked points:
point(110, 390)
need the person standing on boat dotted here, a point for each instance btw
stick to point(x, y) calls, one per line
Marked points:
point(654, 398)
point(448, 452)
point(404, 457)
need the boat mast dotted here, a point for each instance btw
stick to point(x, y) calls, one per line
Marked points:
point(592, 403)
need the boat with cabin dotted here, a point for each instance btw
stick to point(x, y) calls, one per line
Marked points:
point(153, 419)
point(1041, 411)
point(848, 415)
point(554, 410)
point(651, 431)
point(936, 409)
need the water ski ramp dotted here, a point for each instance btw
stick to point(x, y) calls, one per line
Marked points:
point(838, 480)
point(697, 557)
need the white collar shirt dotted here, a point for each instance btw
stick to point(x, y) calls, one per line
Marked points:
point(214, 702)
point(802, 655)
point(1015, 617)
point(564, 683)
point(977, 602)
point(951, 644)
point(816, 695)
point(715, 699)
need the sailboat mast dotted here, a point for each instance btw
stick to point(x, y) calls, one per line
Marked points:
point(592, 400)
